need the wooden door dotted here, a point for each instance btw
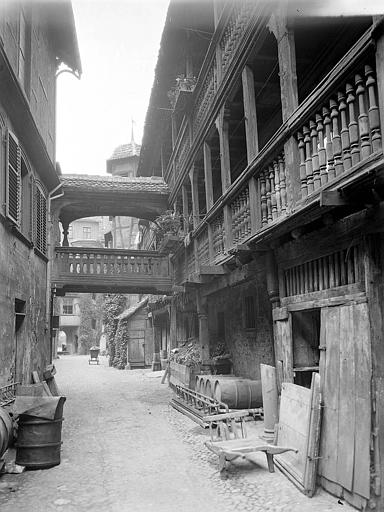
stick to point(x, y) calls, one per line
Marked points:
point(136, 349)
point(345, 375)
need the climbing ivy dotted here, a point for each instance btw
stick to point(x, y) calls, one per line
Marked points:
point(90, 321)
point(113, 306)
point(121, 344)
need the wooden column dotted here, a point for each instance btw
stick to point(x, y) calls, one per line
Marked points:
point(289, 99)
point(272, 279)
point(173, 326)
point(202, 313)
point(251, 132)
point(193, 177)
point(174, 129)
point(223, 129)
point(208, 175)
point(184, 192)
point(162, 163)
point(156, 363)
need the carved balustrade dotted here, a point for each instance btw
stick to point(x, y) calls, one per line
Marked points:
point(78, 261)
point(241, 217)
point(344, 132)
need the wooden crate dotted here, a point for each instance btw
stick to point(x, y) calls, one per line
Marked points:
point(183, 375)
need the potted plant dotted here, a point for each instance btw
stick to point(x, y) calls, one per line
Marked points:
point(168, 231)
point(181, 91)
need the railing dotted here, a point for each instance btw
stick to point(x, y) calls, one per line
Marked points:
point(273, 194)
point(345, 131)
point(117, 262)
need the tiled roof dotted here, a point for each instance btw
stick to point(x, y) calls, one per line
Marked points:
point(130, 311)
point(126, 151)
point(89, 183)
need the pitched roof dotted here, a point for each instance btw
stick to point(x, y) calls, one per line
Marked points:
point(90, 182)
point(125, 151)
point(132, 310)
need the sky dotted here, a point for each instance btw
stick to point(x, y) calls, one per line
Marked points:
point(119, 43)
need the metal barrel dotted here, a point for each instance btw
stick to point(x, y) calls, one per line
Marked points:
point(5, 431)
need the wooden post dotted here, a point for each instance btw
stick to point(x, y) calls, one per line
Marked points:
point(208, 175)
point(250, 116)
point(373, 281)
point(270, 401)
point(184, 192)
point(272, 279)
point(172, 326)
point(156, 363)
point(174, 129)
point(223, 128)
point(202, 313)
point(193, 177)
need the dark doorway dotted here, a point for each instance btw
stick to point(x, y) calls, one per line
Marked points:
point(306, 341)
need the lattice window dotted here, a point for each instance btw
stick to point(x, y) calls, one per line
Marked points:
point(40, 220)
point(338, 269)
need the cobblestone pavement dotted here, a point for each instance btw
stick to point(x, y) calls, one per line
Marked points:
point(125, 449)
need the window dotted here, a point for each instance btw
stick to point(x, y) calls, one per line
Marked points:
point(70, 231)
point(40, 220)
point(67, 309)
point(26, 199)
point(249, 312)
point(13, 175)
point(86, 232)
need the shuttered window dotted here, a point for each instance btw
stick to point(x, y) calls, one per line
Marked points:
point(40, 220)
point(13, 174)
point(26, 199)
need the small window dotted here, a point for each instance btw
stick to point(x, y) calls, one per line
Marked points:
point(19, 313)
point(86, 232)
point(67, 309)
point(249, 312)
point(70, 231)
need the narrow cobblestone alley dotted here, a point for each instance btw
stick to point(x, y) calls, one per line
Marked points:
point(126, 449)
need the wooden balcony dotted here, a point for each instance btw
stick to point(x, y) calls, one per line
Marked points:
point(327, 153)
point(94, 270)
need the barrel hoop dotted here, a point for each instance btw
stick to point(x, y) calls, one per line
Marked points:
point(46, 445)
point(42, 422)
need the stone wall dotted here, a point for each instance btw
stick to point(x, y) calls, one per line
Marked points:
point(22, 278)
point(227, 323)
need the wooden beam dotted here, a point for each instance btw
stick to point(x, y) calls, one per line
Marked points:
point(223, 129)
point(212, 270)
point(184, 194)
point(193, 176)
point(332, 198)
point(251, 132)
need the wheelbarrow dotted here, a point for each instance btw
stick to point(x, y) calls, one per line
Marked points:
point(94, 355)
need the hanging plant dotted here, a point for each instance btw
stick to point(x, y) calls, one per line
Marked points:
point(169, 223)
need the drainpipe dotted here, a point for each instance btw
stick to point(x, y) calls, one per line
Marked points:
point(49, 296)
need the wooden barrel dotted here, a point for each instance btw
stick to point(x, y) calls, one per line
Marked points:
point(239, 393)
point(208, 389)
point(210, 381)
point(39, 440)
point(5, 431)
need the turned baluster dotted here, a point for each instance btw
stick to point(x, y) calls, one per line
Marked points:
point(373, 111)
point(353, 126)
point(273, 192)
point(268, 195)
point(321, 150)
point(303, 174)
point(315, 155)
point(263, 199)
point(283, 190)
point(363, 118)
point(277, 186)
point(308, 160)
point(336, 139)
point(345, 143)
point(329, 146)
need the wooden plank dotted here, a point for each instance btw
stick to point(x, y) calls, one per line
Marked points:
point(346, 432)
point(330, 321)
point(35, 377)
point(361, 329)
point(313, 437)
point(284, 331)
point(294, 417)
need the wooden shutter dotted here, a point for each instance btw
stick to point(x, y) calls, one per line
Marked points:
point(13, 179)
point(40, 220)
